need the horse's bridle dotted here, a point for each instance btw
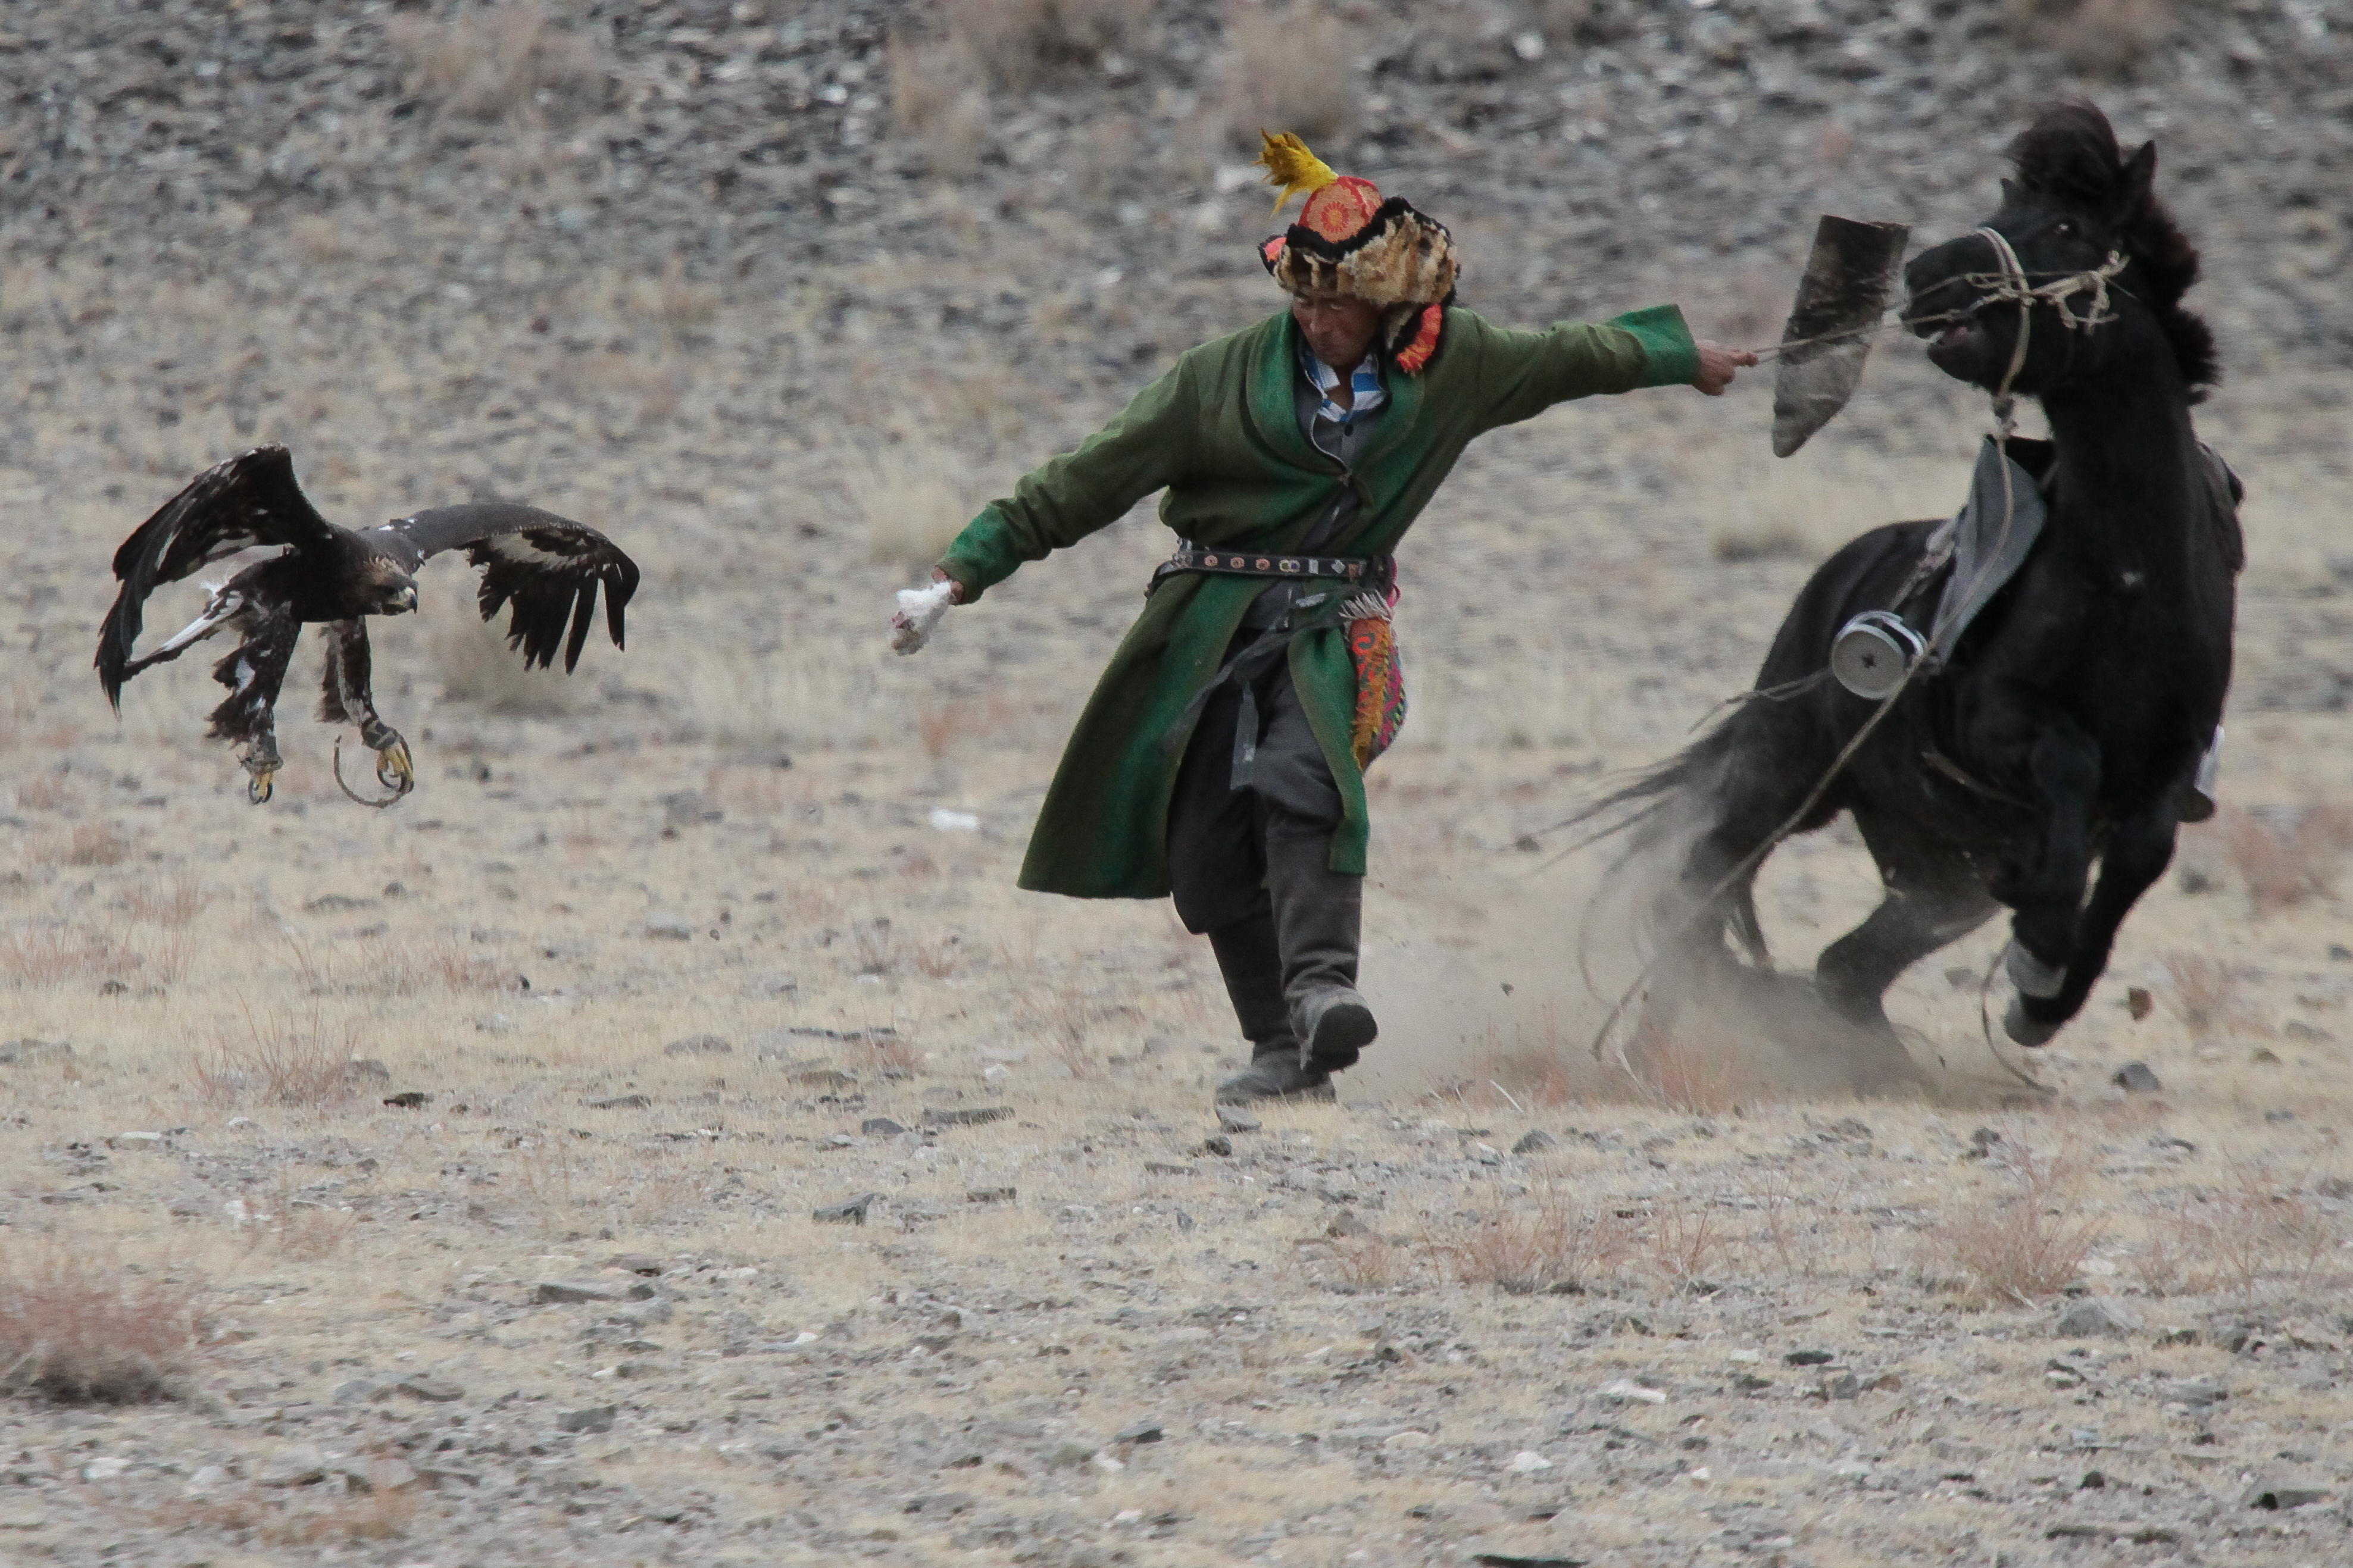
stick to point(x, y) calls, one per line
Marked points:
point(2011, 286)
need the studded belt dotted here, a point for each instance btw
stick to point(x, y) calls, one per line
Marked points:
point(1349, 569)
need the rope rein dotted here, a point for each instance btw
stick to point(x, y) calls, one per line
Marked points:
point(2010, 285)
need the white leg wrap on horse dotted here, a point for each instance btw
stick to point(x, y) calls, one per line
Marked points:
point(2026, 1031)
point(2032, 976)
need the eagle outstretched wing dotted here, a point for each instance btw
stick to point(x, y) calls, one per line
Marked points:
point(547, 566)
point(250, 499)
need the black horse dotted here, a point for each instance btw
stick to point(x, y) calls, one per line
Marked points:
point(2068, 722)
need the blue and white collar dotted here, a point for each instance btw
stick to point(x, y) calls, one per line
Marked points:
point(1365, 383)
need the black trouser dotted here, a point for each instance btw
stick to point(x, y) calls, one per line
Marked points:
point(1224, 842)
point(1217, 834)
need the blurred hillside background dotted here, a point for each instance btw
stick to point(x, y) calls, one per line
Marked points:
point(780, 293)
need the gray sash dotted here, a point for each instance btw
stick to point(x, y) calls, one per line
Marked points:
point(1985, 553)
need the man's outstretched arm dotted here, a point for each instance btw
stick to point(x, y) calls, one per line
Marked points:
point(1060, 503)
point(1521, 374)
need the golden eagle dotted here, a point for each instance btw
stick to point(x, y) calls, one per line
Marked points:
point(548, 567)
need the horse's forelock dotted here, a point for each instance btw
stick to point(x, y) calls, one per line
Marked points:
point(2069, 153)
point(2070, 156)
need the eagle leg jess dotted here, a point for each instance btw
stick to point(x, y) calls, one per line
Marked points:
point(349, 699)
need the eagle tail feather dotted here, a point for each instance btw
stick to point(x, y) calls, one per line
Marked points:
point(616, 599)
point(584, 615)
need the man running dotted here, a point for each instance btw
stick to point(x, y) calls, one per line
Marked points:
point(1221, 758)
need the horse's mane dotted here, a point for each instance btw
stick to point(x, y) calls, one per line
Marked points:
point(2070, 154)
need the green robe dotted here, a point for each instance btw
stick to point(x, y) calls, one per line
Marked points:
point(1220, 434)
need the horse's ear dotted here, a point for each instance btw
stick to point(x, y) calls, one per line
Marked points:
point(2136, 179)
point(2010, 193)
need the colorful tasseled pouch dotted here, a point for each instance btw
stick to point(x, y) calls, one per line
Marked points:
point(1380, 675)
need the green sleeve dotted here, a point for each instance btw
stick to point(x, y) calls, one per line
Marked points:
point(1521, 374)
point(1671, 357)
point(1055, 506)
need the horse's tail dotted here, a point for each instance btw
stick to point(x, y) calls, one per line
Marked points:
point(1654, 888)
point(1633, 808)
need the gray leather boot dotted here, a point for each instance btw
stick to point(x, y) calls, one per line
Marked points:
point(1317, 914)
point(1251, 964)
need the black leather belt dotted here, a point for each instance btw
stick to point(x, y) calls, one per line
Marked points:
point(1346, 569)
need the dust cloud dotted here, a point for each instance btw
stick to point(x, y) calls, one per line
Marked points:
point(1549, 986)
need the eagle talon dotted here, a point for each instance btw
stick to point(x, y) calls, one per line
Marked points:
point(264, 782)
point(393, 768)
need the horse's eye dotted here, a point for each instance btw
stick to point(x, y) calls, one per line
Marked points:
point(2064, 228)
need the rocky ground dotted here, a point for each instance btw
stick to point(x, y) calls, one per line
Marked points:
point(473, 1171)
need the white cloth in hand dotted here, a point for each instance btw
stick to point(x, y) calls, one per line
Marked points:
point(920, 610)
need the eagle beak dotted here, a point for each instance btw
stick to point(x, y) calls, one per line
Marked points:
point(408, 600)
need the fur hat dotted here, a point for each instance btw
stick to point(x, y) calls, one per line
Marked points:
point(1348, 240)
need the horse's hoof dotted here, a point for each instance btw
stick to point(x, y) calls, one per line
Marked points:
point(2028, 1031)
point(2030, 975)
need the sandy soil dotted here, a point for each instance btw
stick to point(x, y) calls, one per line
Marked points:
point(668, 957)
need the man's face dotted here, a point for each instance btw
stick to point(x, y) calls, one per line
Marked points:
point(1339, 327)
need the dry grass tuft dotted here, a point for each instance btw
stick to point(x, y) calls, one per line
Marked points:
point(1367, 1262)
point(1683, 1077)
point(937, 105)
point(893, 1056)
point(2250, 1232)
point(45, 791)
point(665, 1193)
point(98, 844)
point(1538, 1073)
point(1287, 69)
point(397, 966)
point(1065, 1019)
point(478, 669)
point(910, 504)
point(2206, 993)
point(936, 958)
point(1017, 44)
point(542, 1178)
point(1798, 1226)
point(2023, 1244)
point(511, 61)
point(1544, 1242)
point(337, 1517)
point(2101, 36)
point(172, 902)
point(2286, 857)
point(1685, 1243)
point(424, 966)
point(272, 1063)
point(941, 73)
point(79, 1330)
point(2167, 1261)
point(876, 947)
point(164, 956)
point(310, 1233)
point(52, 955)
